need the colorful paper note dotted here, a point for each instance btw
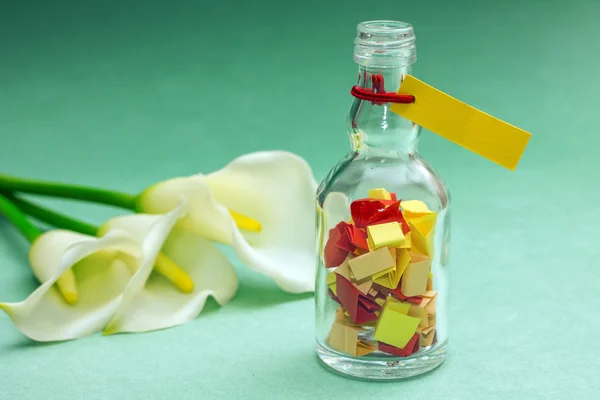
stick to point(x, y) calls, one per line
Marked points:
point(424, 224)
point(358, 237)
point(391, 213)
point(411, 347)
point(407, 244)
point(429, 301)
point(382, 235)
point(369, 304)
point(363, 267)
point(397, 293)
point(344, 338)
point(344, 270)
point(414, 208)
point(363, 210)
point(332, 254)
point(462, 124)
point(392, 279)
point(395, 327)
point(422, 233)
point(345, 240)
point(380, 194)
point(419, 312)
point(426, 335)
point(348, 296)
point(430, 282)
point(330, 282)
point(414, 279)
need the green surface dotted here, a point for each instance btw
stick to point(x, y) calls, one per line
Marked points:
point(125, 95)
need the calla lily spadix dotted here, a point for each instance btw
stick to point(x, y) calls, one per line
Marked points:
point(274, 188)
point(118, 291)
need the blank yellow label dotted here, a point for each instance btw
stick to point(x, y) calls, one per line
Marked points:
point(462, 124)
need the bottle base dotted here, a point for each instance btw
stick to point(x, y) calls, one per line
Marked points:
point(382, 368)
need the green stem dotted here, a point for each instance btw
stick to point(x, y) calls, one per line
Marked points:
point(52, 217)
point(16, 216)
point(76, 192)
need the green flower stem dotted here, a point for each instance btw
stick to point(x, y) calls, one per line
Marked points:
point(52, 217)
point(75, 192)
point(16, 216)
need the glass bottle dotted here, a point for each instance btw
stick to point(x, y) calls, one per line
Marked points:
point(381, 295)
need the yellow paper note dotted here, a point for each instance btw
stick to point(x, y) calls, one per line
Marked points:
point(462, 124)
point(407, 244)
point(422, 233)
point(414, 208)
point(380, 194)
point(388, 234)
point(330, 278)
point(330, 281)
point(395, 327)
point(397, 306)
point(365, 266)
point(424, 224)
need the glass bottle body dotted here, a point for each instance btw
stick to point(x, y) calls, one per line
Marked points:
point(377, 318)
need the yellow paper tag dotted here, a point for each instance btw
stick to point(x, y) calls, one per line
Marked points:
point(462, 124)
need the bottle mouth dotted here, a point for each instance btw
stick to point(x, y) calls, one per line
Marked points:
point(385, 44)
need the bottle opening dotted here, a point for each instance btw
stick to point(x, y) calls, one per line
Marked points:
point(385, 44)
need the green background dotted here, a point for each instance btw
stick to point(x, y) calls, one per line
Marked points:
point(122, 94)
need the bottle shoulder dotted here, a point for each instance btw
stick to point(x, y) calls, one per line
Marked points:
point(411, 178)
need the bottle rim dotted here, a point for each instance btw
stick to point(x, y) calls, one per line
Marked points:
point(385, 43)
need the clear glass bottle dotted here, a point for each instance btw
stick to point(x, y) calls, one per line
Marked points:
point(381, 295)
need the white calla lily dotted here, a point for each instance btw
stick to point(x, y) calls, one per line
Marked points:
point(102, 276)
point(118, 290)
point(275, 188)
point(152, 302)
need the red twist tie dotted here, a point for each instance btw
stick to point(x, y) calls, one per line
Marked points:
point(381, 98)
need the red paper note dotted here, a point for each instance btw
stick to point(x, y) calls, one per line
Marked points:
point(369, 304)
point(358, 237)
point(398, 294)
point(333, 254)
point(390, 202)
point(345, 240)
point(362, 210)
point(349, 296)
point(411, 347)
point(351, 237)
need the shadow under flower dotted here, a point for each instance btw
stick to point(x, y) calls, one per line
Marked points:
point(257, 291)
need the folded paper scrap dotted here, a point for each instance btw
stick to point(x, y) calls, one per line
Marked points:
point(381, 276)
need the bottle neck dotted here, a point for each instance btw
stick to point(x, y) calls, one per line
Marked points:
point(373, 128)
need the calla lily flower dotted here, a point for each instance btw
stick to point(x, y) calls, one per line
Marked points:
point(117, 288)
point(271, 193)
